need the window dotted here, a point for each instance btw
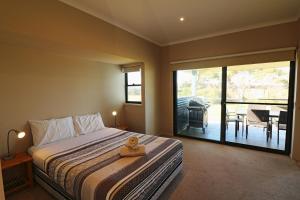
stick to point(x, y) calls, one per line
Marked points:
point(133, 87)
point(259, 83)
point(240, 105)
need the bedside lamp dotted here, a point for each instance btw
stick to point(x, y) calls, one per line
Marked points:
point(114, 113)
point(20, 135)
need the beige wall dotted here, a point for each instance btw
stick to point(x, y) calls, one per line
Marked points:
point(36, 84)
point(134, 123)
point(296, 136)
point(278, 36)
point(50, 55)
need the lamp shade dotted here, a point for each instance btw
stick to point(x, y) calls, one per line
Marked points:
point(114, 113)
point(21, 134)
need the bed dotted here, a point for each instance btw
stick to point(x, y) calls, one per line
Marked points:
point(89, 167)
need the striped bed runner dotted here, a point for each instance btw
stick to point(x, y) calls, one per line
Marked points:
point(95, 169)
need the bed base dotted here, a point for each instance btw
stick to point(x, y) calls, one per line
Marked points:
point(42, 179)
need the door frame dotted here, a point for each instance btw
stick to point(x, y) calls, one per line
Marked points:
point(222, 140)
point(175, 114)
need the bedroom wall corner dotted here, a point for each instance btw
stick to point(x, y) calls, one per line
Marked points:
point(152, 81)
point(166, 95)
point(295, 153)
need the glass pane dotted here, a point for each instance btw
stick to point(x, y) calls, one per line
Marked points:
point(134, 93)
point(198, 103)
point(134, 78)
point(257, 125)
point(264, 83)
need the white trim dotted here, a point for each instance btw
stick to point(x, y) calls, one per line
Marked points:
point(134, 64)
point(221, 33)
point(233, 55)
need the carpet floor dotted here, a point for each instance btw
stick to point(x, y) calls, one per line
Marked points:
point(214, 171)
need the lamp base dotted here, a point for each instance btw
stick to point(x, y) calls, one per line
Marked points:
point(8, 157)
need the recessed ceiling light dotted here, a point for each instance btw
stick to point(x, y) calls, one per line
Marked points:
point(181, 19)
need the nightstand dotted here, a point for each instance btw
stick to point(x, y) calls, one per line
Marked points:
point(18, 183)
point(122, 127)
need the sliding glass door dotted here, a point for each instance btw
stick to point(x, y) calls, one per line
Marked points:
point(198, 105)
point(245, 105)
point(257, 104)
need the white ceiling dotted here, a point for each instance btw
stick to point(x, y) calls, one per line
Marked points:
point(158, 20)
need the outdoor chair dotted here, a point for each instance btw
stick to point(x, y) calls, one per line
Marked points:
point(282, 123)
point(233, 117)
point(258, 118)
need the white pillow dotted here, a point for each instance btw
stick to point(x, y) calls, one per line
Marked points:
point(88, 123)
point(48, 131)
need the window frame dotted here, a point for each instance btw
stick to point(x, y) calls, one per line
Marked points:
point(130, 85)
point(224, 102)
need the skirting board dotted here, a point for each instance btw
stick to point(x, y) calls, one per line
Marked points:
point(59, 196)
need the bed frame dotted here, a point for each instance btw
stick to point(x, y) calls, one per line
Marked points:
point(45, 182)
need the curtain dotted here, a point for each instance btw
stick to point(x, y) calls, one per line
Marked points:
point(275, 55)
point(132, 67)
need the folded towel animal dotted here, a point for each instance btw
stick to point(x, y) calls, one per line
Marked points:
point(132, 142)
point(139, 151)
point(132, 148)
